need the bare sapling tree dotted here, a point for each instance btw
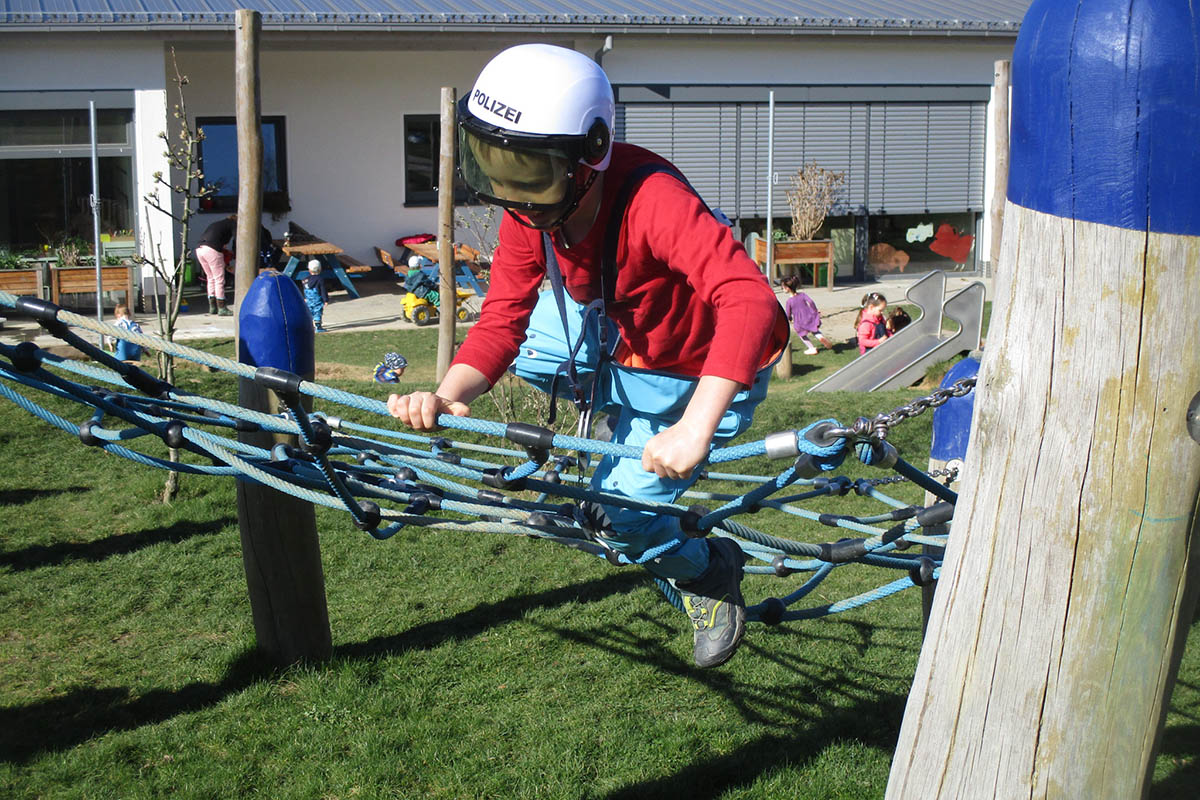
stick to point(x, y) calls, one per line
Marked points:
point(814, 192)
point(186, 188)
point(482, 226)
point(186, 183)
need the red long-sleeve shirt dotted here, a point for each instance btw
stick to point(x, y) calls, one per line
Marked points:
point(688, 298)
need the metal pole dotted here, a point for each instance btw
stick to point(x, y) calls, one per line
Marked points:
point(770, 181)
point(95, 202)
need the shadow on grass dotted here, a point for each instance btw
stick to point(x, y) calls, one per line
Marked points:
point(82, 714)
point(482, 617)
point(12, 497)
point(37, 556)
point(823, 706)
point(1183, 743)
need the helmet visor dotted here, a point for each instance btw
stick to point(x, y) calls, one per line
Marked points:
point(506, 173)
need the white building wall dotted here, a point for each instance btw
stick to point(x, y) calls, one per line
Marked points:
point(344, 115)
point(344, 107)
point(48, 62)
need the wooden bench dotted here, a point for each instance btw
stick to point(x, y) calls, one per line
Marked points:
point(352, 264)
point(82, 280)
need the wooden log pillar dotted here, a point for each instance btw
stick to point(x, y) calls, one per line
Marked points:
point(448, 315)
point(248, 107)
point(1001, 81)
point(280, 549)
point(1071, 572)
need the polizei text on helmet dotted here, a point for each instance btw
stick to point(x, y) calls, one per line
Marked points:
point(496, 107)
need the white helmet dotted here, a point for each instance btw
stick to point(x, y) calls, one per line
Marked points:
point(535, 114)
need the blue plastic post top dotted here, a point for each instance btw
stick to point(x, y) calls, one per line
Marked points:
point(1105, 113)
point(274, 326)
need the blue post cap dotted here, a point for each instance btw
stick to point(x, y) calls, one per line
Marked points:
point(274, 326)
point(952, 420)
point(1105, 110)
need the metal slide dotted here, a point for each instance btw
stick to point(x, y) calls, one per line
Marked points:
point(902, 360)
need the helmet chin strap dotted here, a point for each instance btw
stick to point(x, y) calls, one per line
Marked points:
point(577, 195)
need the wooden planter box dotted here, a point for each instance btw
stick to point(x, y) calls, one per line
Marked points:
point(817, 253)
point(82, 280)
point(26, 282)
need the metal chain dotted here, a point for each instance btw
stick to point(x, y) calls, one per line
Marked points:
point(951, 476)
point(876, 429)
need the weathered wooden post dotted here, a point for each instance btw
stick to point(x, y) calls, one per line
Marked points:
point(248, 108)
point(280, 550)
point(447, 288)
point(1071, 571)
point(1001, 81)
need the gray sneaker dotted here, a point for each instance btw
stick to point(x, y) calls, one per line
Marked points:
point(714, 604)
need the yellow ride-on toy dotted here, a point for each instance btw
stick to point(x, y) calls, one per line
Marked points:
point(422, 301)
point(421, 311)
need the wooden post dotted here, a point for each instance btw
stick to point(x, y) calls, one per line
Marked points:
point(248, 107)
point(1000, 83)
point(783, 367)
point(448, 318)
point(280, 550)
point(1071, 571)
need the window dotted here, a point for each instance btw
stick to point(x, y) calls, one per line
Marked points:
point(46, 177)
point(218, 162)
point(422, 146)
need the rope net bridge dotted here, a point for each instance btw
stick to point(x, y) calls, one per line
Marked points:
point(388, 479)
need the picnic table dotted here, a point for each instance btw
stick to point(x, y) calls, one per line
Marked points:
point(331, 256)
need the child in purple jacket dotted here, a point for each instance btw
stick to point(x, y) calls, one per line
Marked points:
point(806, 319)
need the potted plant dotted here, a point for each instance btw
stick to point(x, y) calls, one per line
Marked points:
point(18, 276)
point(814, 192)
point(76, 272)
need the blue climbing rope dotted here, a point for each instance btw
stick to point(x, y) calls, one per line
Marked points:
point(388, 479)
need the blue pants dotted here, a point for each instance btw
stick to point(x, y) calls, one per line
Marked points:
point(642, 403)
point(128, 351)
point(316, 304)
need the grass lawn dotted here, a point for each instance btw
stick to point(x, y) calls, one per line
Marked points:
point(465, 666)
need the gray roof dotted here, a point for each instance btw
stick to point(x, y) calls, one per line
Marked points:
point(899, 16)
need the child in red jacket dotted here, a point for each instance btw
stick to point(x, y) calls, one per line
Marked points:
point(871, 326)
point(696, 325)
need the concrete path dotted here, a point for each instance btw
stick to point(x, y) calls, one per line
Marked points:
point(379, 308)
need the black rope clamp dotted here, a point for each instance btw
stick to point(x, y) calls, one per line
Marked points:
point(936, 514)
point(772, 613)
point(45, 312)
point(1192, 419)
point(840, 485)
point(921, 573)
point(420, 503)
point(842, 551)
point(536, 440)
point(689, 522)
point(87, 437)
point(368, 516)
point(285, 384)
point(322, 438)
point(172, 434)
point(26, 357)
point(779, 564)
point(497, 479)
